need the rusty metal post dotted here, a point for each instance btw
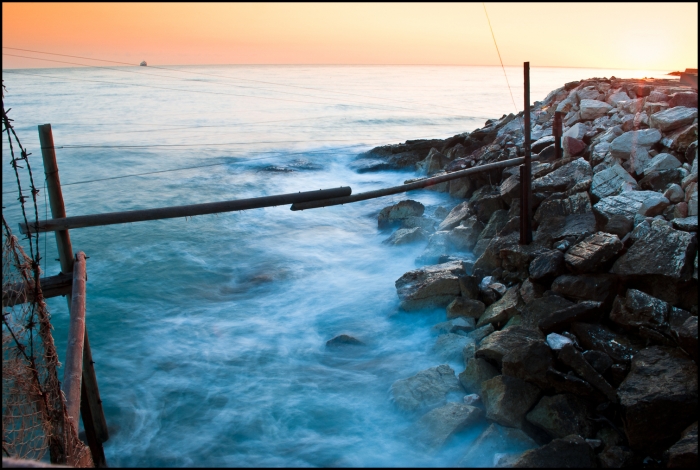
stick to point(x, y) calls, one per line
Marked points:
point(556, 131)
point(525, 170)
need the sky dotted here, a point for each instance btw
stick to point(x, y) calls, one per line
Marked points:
point(648, 36)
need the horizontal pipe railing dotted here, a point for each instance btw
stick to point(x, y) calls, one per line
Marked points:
point(300, 206)
point(124, 217)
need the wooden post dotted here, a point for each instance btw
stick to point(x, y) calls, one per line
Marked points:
point(73, 368)
point(98, 423)
point(526, 172)
point(557, 134)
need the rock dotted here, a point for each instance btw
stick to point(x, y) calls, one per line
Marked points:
point(343, 340)
point(653, 108)
point(673, 118)
point(600, 361)
point(429, 286)
point(465, 235)
point(684, 453)
point(639, 309)
point(449, 346)
point(688, 337)
point(687, 224)
point(691, 198)
point(460, 187)
point(502, 310)
point(538, 309)
point(609, 210)
point(477, 371)
point(578, 203)
point(592, 109)
point(541, 144)
point(589, 93)
point(562, 415)
point(659, 180)
point(481, 333)
point(437, 247)
point(663, 161)
point(419, 222)
point(638, 161)
point(437, 426)
point(572, 226)
point(487, 205)
point(687, 99)
point(573, 358)
point(461, 307)
point(530, 291)
point(454, 326)
point(469, 287)
point(632, 106)
point(459, 213)
point(406, 235)
point(495, 224)
point(561, 319)
point(615, 457)
point(600, 338)
point(681, 139)
point(680, 212)
point(616, 98)
point(572, 147)
point(508, 399)
point(593, 252)
point(611, 181)
point(492, 442)
point(674, 193)
point(564, 177)
point(659, 398)
point(510, 188)
point(497, 344)
point(662, 252)
point(433, 163)
point(546, 266)
point(570, 383)
point(600, 287)
point(557, 341)
point(569, 452)
point(529, 362)
point(426, 389)
point(401, 210)
point(472, 399)
point(623, 146)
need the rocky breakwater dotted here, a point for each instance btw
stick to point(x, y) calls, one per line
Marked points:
point(580, 349)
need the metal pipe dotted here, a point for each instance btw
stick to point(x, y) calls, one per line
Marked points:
point(124, 217)
point(406, 187)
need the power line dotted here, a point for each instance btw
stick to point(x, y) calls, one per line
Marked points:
point(499, 58)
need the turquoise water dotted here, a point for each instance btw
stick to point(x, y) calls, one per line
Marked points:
point(209, 333)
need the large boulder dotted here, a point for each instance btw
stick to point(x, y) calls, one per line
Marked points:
point(426, 389)
point(437, 426)
point(430, 286)
point(399, 211)
point(573, 226)
point(559, 320)
point(577, 203)
point(563, 178)
point(689, 99)
point(659, 398)
point(623, 146)
point(561, 415)
point(494, 440)
point(458, 213)
point(487, 205)
point(673, 118)
point(611, 182)
point(591, 109)
point(569, 452)
point(508, 399)
point(497, 344)
point(593, 252)
point(663, 161)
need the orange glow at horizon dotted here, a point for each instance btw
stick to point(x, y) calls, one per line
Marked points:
point(617, 35)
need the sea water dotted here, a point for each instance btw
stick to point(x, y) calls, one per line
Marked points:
point(209, 333)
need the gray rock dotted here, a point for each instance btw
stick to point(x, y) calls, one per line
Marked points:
point(611, 181)
point(564, 177)
point(429, 286)
point(638, 161)
point(561, 319)
point(463, 307)
point(476, 372)
point(663, 251)
point(673, 118)
point(557, 341)
point(600, 338)
point(617, 97)
point(569, 452)
point(495, 440)
point(600, 361)
point(541, 144)
point(502, 310)
point(674, 193)
point(507, 399)
point(459, 213)
point(437, 247)
point(425, 223)
point(510, 188)
point(454, 326)
point(681, 139)
point(577, 131)
point(639, 309)
point(562, 415)
point(684, 453)
point(449, 346)
point(426, 389)
point(578, 203)
point(573, 358)
point(659, 398)
point(497, 344)
point(487, 205)
point(529, 362)
point(659, 180)
point(530, 291)
point(401, 210)
point(663, 161)
point(623, 146)
point(460, 187)
point(540, 308)
point(615, 457)
point(406, 235)
point(497, 221)
point(625, 206)
point(343, 340)
point(688, 337)
point(437, 426)
point(466, 234)
point(574, 226)
point(593, 252)
point(546, 266)
point(596, 287)
point(592, 109)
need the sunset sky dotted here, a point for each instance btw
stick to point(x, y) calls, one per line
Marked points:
point(658, 36)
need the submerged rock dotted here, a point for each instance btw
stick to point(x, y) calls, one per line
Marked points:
point(431, 286)
point(437, 426)
point(426, 389)
point(343, 340)
point(399, 211)
point(495, 440)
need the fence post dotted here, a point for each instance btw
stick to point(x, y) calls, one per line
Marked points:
point(557, 134)
point(73, 370)
point(98, 424)
point(525, 170)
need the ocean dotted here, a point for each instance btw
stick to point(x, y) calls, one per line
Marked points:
point(208, 333)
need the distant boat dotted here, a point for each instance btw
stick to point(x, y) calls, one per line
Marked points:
point(143, 63)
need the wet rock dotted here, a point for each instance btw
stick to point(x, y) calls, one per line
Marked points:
point(469, 287)
point(600, 361)
point(466, 234)
point(546, 266)
point(600, 287)
point(437, 247)
point(615, 457)
point(472, 399)
point(460, 187)
point(684, 453)
point(497, 344)
point(495, 224)
point(561, 415)
point(570, 383)
point(454, 326)
point(540, 308)
point(673, 118)
point(600, 338)
point(573, 358)
point(674, 193)
point(560, 319)
point(639, 309)
point(343, 340)
point(508, 399)
point(426, 389)
point(659, 398)
point(688, 99)
point(406, 235)
point(459, 213)
point(437, 426)
point(489, 260)
point(625, 206)
point(487, 205)
point(529, 362)
point(419, 222)
point(510, 188)
point(449, 346)
point(462, 307)
point(688, 337)
point(569, 452)
point(662, 252)
point(481, 333)
point(495, 440)
point(593, 252)
point(663, 161)
point(592, 109)
point(433, 163)
point(430, 286)
point(476, 372)
point(623, 146)
point(399, 211)
point(564, 177)
point(611, 181)
point(502, 310)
